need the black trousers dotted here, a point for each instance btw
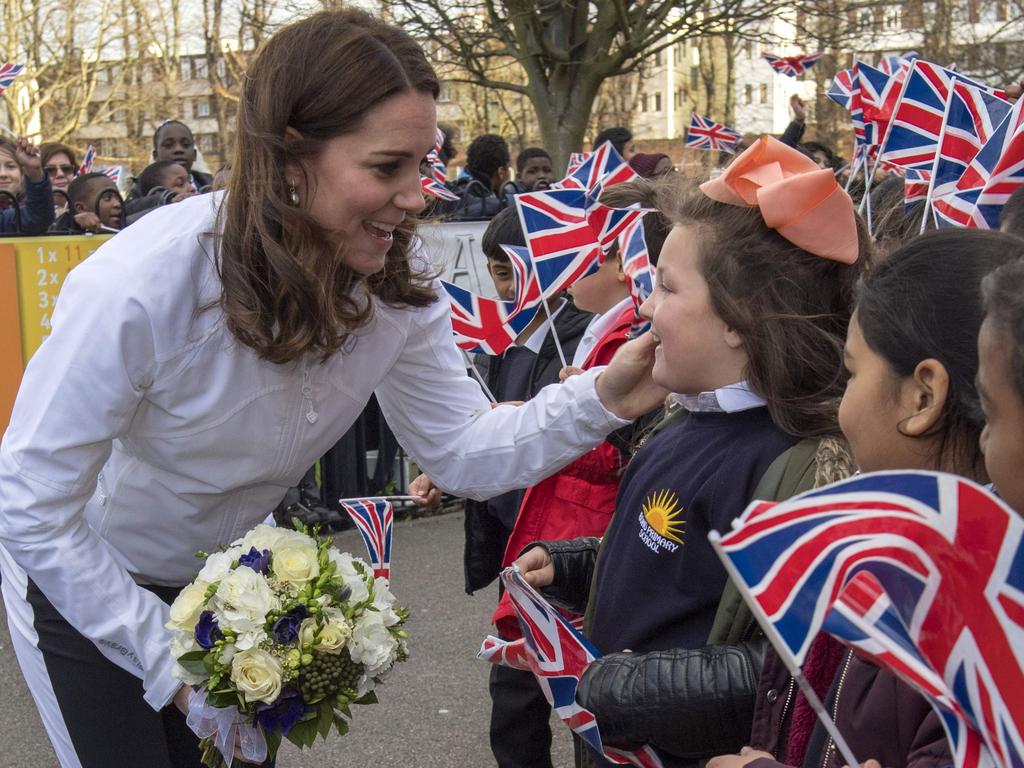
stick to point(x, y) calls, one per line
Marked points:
point(520, 720)
point(106, 717)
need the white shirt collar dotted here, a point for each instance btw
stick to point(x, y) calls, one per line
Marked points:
point(728, 399)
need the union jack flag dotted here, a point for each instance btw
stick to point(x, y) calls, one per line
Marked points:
point(844, 83)
point(113, 172)
point(892, 63)
point(972, 115)
point(558, 654)
point(989, 179)
point(87, 160)
point(599, 169)
point(915, 187)
point(791, 66)
point(879, 92)
point(947, 556)
point(705, 133)
point(7, 74)
point(527, 287)
point(433, 184)
point(483, 325)
point(375, 520)
point(636, 262)
point(576, 159)
point(513, 653)
point(917, 118)
point(559, 237)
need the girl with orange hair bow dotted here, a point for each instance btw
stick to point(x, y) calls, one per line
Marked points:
point(754, 292)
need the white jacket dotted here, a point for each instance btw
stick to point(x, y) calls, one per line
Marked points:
point(197, 438)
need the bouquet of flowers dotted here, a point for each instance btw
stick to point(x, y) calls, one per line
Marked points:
point(279, 634)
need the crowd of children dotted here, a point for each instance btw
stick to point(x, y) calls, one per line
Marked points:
point(799, 350)
point(44, 190)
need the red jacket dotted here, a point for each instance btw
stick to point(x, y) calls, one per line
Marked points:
point(579, 499)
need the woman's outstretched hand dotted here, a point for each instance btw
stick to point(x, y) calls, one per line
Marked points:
point(625, 386)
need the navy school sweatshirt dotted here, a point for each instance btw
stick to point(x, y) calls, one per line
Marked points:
point(658, 580)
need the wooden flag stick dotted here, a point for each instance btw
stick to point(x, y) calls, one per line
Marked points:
point(478, 377)
point(554, 333)
point(784, 653)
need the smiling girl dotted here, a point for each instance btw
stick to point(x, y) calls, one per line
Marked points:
point(201, 360)
point(749, 313)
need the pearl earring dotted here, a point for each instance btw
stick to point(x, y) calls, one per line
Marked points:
point(293, 195)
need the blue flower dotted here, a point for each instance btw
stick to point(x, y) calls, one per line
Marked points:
point(344, 593)
point(286, 629)
point(258, 561)
point(207, 631)
point(283, 714)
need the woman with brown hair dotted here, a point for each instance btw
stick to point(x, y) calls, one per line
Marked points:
point(204, 358)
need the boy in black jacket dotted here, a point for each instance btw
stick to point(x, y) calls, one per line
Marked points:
point(520, 730)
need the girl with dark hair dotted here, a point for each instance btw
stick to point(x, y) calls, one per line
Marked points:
point(203, 359)
point(749, 311)
point(910, 403)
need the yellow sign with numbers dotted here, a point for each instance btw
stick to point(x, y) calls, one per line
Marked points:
point(32, 271)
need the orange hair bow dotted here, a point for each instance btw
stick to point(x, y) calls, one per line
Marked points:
point(797, 199)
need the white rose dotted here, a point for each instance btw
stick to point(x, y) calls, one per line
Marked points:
point(349, 575)
point(372, 645)
point(243, 600)
point(384, 601)
point(261, 537)
point(333, 637)
point(218, 565)
point(257, 675)
point(187, 606)
point(295, 562)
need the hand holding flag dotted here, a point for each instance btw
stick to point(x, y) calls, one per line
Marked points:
point(923, 571)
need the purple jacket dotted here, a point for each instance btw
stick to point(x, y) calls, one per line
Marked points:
point(880, 717)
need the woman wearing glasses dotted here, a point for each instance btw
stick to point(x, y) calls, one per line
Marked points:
point(61, 166)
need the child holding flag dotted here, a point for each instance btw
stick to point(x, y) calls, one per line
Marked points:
point(749, 312)
point(910, 403)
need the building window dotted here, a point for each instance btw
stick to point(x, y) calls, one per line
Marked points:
point(199, 69)
point(749, 46)
point(102, 75)
point(694, 78)
point(221, 69)
point(657, 102)
point(748, 94)
point(764, 93)
point(209, 142)
point(186, 69)
point(202, 108)
point(118, 116)
point(657, 59)
point(643, 102)
point(679, 98)
point(893, 18)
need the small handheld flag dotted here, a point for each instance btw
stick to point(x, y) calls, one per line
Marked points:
point(87, 160)
point(7, 74)
point(375, 519)
point(924, 571)
point(485, 325)
point(113, 172)
point(558, 654)
point(433, 184)
point(705, 133)
point(792, 66)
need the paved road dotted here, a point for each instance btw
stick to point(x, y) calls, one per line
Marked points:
point(434, 709)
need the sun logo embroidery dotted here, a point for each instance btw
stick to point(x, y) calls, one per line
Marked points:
point(661, 524)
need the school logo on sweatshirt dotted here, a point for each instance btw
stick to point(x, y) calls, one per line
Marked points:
point(661, 522)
